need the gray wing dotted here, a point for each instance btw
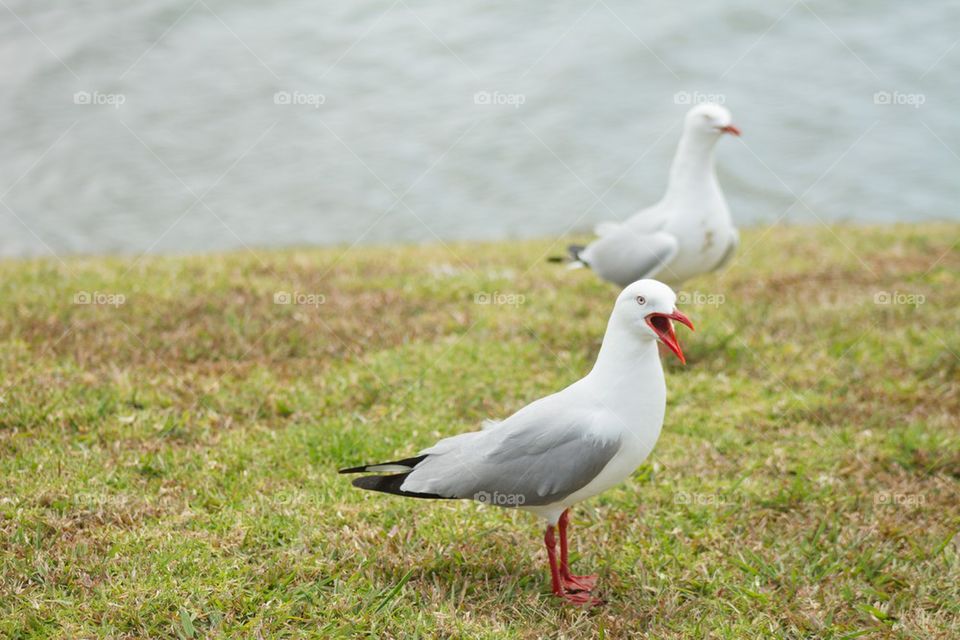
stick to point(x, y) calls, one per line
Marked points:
point(624, 256)
point(536, 462)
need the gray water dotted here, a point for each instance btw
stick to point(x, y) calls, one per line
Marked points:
point(181, 138)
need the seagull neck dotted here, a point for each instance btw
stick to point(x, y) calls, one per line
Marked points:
point(693, 165)
point(623, 359)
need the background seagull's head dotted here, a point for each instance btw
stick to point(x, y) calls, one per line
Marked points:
point(710, 119)
point(649, 307)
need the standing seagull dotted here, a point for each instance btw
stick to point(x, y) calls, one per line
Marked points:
point(687, 233)
point(566, 447)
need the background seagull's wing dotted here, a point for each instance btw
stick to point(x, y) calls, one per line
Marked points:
point(731, 249)
point(624, 256)
point(645, 221)
point(603, 228)
point(541, 458)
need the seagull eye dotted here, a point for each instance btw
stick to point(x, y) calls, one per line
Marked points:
point(641, 300)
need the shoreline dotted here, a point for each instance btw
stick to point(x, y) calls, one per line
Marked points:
point(434, 243)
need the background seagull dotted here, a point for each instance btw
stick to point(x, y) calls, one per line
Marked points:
point(687, 233)
point(566, 447)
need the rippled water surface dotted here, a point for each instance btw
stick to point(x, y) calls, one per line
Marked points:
point(179, 126)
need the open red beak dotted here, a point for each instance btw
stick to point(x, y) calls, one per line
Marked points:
point(730, 129)
point(663, 327)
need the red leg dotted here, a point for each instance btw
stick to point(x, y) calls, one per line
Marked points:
point(551, 543)
point(570, 581)
point(578, 597)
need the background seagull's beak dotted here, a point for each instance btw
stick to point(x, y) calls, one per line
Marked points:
point(663, 327)
point(730, 129)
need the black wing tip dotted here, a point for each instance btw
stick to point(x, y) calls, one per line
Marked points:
point(391, 484)
point(573, 254)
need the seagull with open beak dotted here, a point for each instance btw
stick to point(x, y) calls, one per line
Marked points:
point(563, 448)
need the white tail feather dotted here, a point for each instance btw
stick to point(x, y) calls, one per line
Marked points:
point(388, 468)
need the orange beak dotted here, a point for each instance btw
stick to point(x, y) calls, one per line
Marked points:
point(731, 129)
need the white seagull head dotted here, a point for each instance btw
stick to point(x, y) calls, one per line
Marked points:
point(710, 119)
point(649, 308)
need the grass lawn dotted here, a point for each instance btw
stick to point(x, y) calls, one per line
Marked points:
point(168, 454)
